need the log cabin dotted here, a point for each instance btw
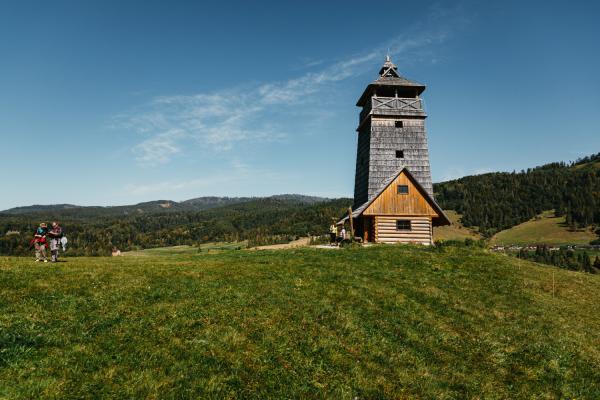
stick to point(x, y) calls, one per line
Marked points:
point(393, 192)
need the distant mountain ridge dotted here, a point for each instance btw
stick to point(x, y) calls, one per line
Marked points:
point(38, 208)
point(195, 204)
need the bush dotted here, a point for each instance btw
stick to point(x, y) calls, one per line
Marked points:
point(468, 242)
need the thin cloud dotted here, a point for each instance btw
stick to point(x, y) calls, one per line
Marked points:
point(236, 172)
point(310, 63)
point(160, 148)
point(221, 120)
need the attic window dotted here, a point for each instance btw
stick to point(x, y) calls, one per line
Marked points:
point(403, 225)
point(402, 189)
point(399, 153)
point(398, 124)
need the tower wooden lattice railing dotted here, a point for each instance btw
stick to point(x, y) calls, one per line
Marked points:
point(400, 106)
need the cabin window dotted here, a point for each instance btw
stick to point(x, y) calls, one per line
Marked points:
point(402, 189)
point(399, 153)
point(403, 225)
point(398, 124)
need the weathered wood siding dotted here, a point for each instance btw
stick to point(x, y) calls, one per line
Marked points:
point(420, 233)
point(391, 203)
point(385, 139)
point(361, 178)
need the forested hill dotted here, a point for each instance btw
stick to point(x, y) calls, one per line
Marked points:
point(260, 221)
point(157, 206)
point(500, 200)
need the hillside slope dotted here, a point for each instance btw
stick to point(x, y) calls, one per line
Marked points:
point(61, 211)
point(380, 322)
point(501, 200)
point(456, 231)
point(544, 229)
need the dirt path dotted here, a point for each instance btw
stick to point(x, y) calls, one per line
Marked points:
point(302, 242)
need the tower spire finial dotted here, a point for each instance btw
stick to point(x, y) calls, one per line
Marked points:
point(388, 68)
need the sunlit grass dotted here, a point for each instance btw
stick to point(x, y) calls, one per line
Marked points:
point(379, 322)
point(187, 250)
point(545, 229)
point(455, 231)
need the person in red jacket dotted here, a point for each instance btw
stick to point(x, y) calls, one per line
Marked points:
point(39, 241)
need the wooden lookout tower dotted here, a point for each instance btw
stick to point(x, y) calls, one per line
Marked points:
point(393, 193)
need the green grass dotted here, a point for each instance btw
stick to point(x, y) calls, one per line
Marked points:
point(546, 229)
point(379, 322)
point(456, 231)
point(187, 250)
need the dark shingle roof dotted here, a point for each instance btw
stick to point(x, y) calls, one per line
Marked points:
point(389, 76)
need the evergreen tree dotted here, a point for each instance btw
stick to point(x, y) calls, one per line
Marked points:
point(586, 262)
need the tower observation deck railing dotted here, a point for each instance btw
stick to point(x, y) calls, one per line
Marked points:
point(400, 106)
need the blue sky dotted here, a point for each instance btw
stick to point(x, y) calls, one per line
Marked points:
point(117, 102)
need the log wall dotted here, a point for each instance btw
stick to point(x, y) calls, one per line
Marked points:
point(420, 233)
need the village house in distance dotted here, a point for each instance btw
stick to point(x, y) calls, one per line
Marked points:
point(393, 193)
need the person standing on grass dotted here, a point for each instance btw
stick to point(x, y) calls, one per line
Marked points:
point(55, 237)
point(342, 236)
point(332, 233)
point(39, 241)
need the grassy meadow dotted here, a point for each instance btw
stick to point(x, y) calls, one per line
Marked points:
point(378, 322)
point(186, 250)
point(456, 231)
point(545, 229)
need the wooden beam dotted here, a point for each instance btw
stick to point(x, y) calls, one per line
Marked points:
point(351, 223)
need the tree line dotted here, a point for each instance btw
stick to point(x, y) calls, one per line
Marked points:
point(260, 221)
point(563, 258)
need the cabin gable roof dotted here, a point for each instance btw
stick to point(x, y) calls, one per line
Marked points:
point(387, 202)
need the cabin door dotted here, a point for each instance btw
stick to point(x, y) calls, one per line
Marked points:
point(368, 230)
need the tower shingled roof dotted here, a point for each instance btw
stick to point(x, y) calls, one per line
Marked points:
point(389, 76)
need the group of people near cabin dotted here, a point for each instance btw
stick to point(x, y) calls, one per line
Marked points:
point(336, 236)
point(53, 235)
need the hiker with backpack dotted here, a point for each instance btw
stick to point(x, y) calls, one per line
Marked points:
point(40, 243)
point(56, 236)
